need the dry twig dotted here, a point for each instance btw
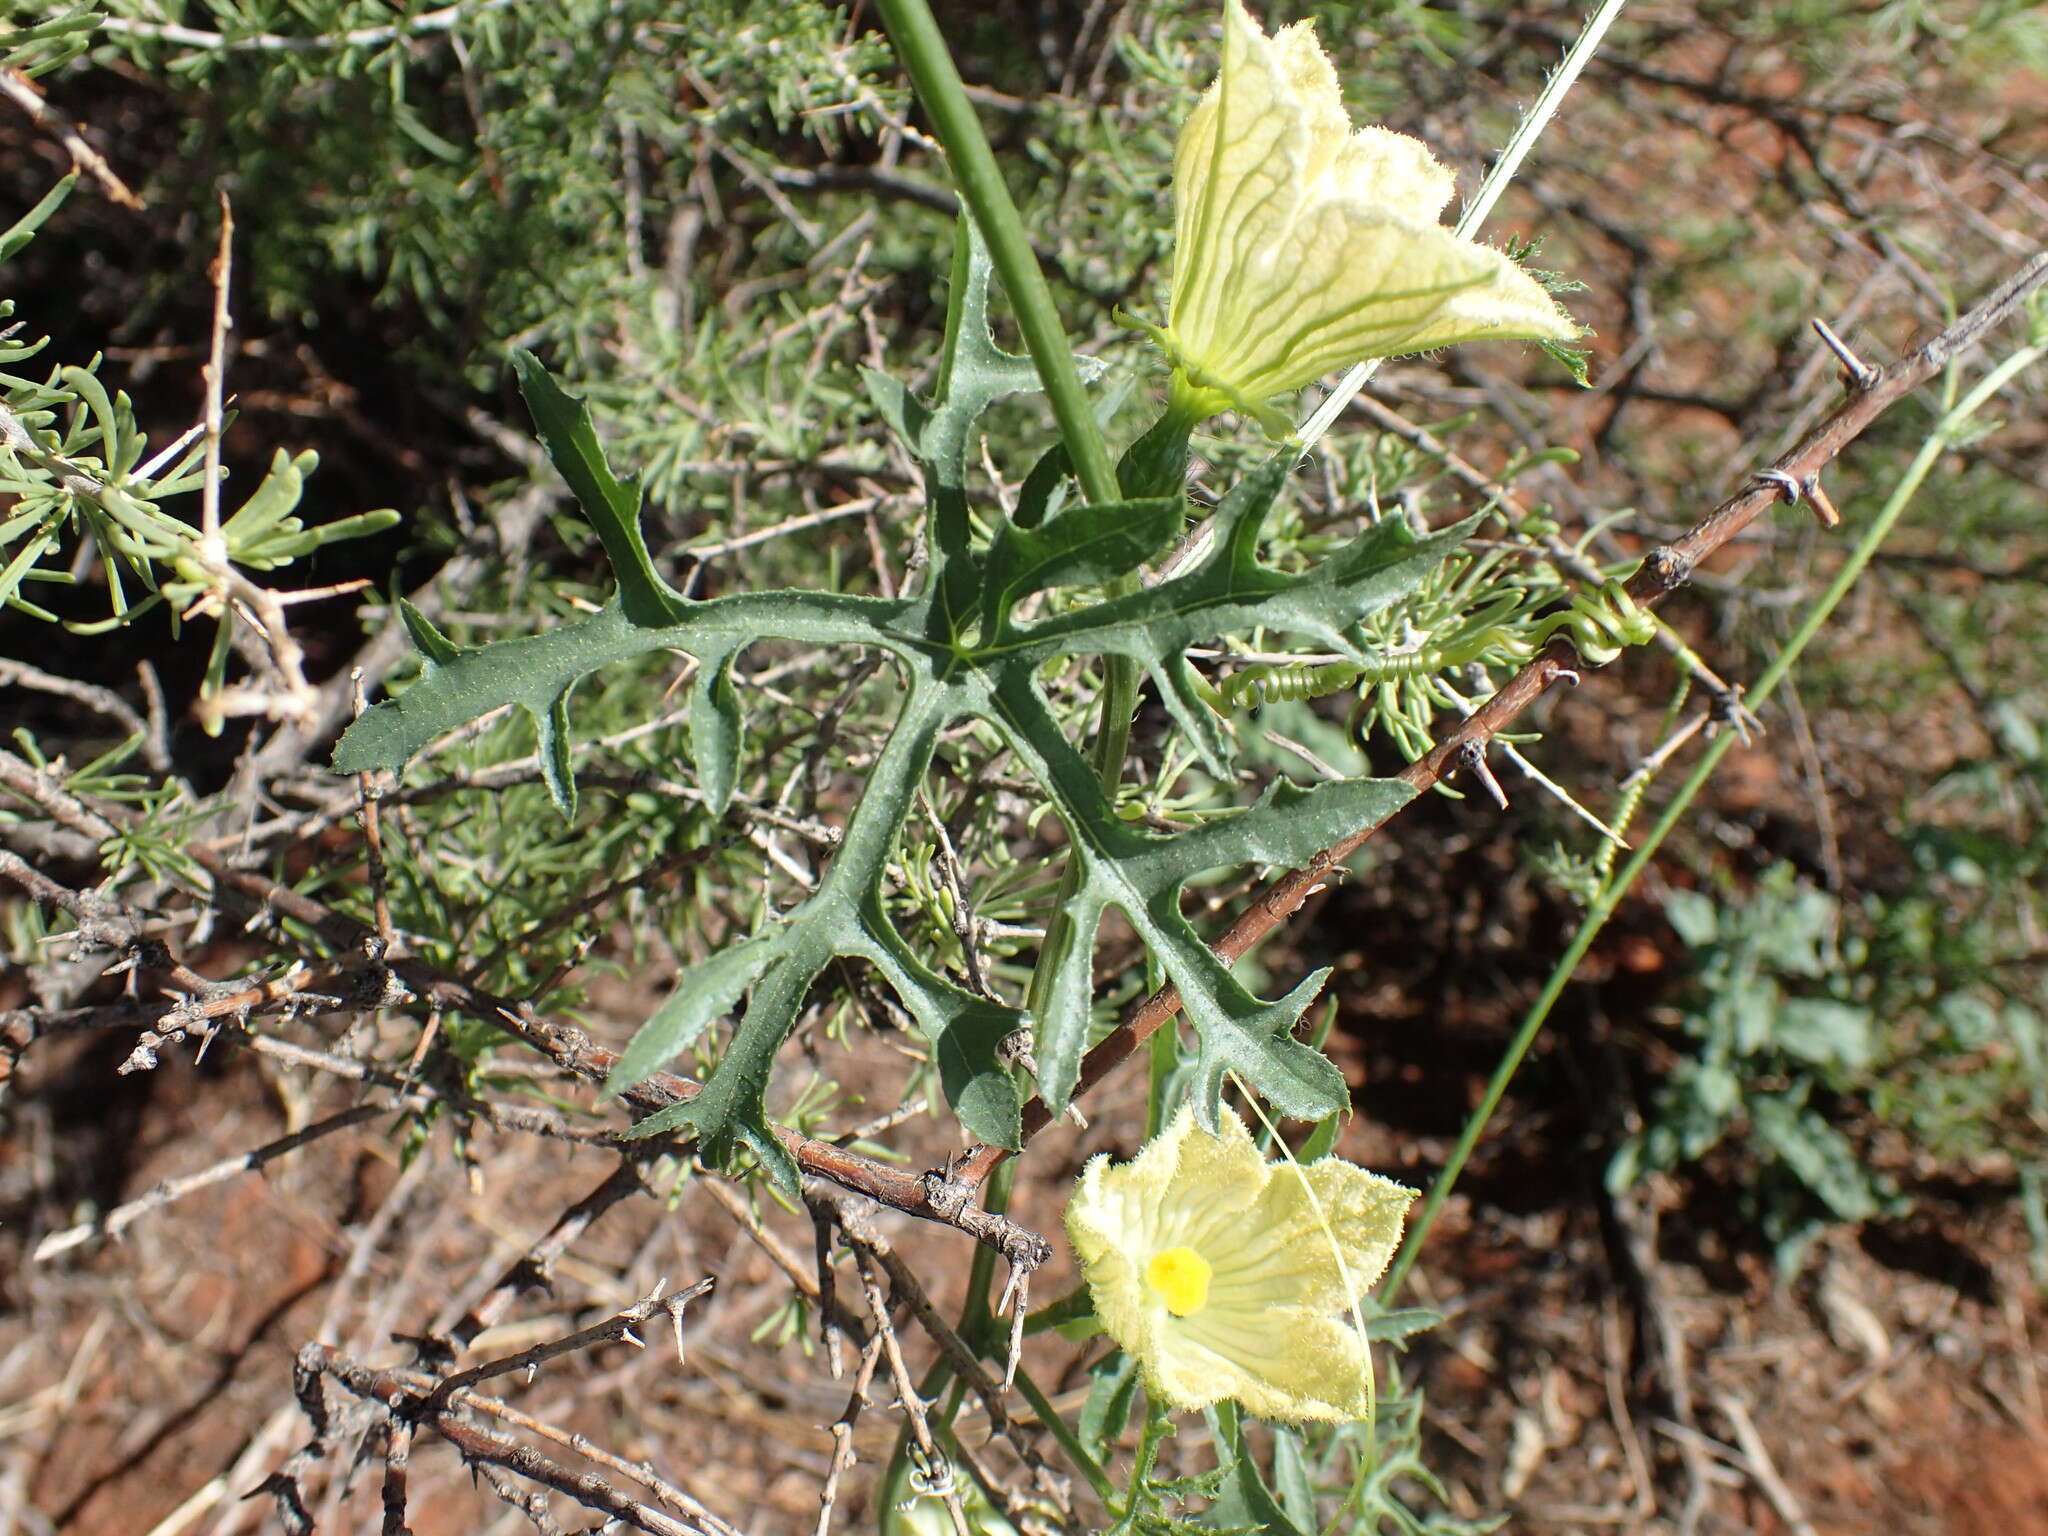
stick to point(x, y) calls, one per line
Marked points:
point(23, 92)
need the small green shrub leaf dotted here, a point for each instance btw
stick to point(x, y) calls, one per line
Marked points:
point(1817, 1154)
point(23, 229)
point(1827, 1033)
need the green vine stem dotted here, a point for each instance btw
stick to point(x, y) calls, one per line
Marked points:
point(1603, 907)
point(1155, 465)
point(926, 59)
point(1060, 1430)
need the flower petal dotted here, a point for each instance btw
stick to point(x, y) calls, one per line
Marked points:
point(1319, 1238)
point(1389, 170)
point(1360, 1213)
point(1239, 165)
point(1302, 245)
point(1279, 1362)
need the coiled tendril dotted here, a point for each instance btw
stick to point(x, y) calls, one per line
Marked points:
point(1402, 686)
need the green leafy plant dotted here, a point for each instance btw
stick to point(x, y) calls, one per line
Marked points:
point(45, 42)
point(1776, 1041)
point(851, 782)
point(84, 482)
point(964, 653)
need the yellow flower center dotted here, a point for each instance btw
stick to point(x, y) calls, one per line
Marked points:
point(1181, 1277)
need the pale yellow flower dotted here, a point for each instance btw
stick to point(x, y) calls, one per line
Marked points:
point(1302, 246)
point(1227, 1276)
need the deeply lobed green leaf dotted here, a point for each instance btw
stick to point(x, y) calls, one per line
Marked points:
point(961, 651)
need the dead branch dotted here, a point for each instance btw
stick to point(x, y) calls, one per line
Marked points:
point(126, 1215)
point(482, 1449)
point(18, 88)
point(643, 1473)
point(531, 1270)
point(618, 1326)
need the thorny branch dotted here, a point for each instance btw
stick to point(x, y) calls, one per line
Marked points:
point(907, 1397)
point(405, 1404)
point(125, 1215)
point(923, 1195)
point(619, 1326)
point(842, 1431)
point(852, 1220)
